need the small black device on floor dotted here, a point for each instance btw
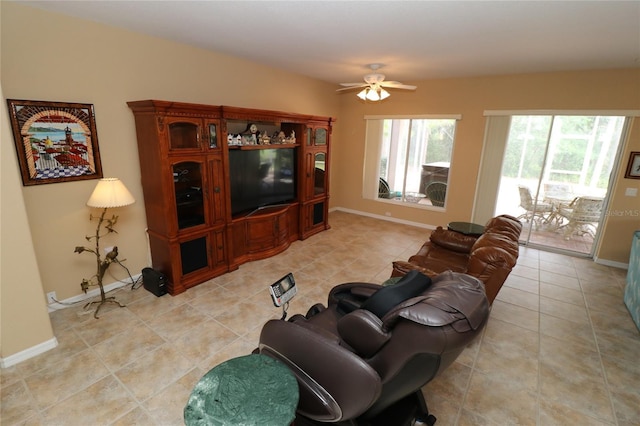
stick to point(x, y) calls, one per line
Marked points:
point(154, 281)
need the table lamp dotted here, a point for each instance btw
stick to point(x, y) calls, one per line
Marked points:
point(108, 193)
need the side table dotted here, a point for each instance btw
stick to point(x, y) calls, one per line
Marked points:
point(252, 390)
point(466, 228)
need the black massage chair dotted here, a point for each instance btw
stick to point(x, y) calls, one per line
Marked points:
point(364, 358)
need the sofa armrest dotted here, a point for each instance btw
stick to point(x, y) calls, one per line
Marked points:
point(491, 265)
point(452, 240)
point(400, 268)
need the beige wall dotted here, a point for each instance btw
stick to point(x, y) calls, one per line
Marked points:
point(24, 321)
point(471, 97)
point(67, 59)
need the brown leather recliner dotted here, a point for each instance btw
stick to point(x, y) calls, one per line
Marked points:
point(490, 257)
point(363, 359)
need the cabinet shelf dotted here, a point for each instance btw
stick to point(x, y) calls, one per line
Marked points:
point(272, 146)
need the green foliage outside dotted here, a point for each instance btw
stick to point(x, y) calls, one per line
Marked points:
point(571, 158)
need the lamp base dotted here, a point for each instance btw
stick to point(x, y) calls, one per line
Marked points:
point(101, 302)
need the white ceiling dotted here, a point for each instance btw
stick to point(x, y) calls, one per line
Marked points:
point(335, 40)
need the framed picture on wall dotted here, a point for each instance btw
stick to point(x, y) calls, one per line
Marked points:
point(633, 168)
point(55, 141)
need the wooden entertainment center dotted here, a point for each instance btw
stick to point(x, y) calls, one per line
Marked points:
point(227, 185)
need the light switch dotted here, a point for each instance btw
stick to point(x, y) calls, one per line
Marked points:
point(631, 192)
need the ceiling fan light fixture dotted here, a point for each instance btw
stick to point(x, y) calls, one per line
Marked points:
point(363, 94)
point(372, 95)
point(384, 94)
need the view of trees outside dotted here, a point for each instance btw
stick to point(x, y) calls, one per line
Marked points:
point(410, 143)
point(557, 158)
point(581, 149)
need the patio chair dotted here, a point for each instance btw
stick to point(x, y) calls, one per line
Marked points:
point(582, 214)
point(436, 193)
point(534, 211)
point(384, 191)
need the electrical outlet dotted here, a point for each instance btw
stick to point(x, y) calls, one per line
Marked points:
point(51, 297)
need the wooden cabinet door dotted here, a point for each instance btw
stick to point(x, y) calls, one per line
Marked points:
point(194, 254)
point(184, 134)
point(314, 218)
point(216, 190)
point(219, 252)
point(308, 176)
point(261, 233)
point(281, 228)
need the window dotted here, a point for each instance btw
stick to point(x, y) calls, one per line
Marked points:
point(410, 155)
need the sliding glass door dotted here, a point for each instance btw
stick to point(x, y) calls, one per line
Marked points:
point(555, 177)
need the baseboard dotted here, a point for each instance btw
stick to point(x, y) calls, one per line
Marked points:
point(90, 294)
point(38, 349)
point(387, 218)
point(611, 263)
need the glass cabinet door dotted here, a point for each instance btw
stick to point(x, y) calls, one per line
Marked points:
point(183, 135)
point(320, 137)
point(319, 176)
point(211, 133)
point(187, 180)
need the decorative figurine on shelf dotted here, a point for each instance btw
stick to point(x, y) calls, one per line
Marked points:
point(291, 139)
point(251, 129)
point(250, 135)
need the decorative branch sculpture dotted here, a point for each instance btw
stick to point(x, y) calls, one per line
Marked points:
point(102, 264)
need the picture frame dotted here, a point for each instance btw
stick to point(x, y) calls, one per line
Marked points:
point(633, 168)
point(55, 141)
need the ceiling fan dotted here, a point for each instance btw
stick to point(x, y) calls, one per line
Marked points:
point(374, 85)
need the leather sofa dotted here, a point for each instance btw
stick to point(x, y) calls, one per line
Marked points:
point(489, 257)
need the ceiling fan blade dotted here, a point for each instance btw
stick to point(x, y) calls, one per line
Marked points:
point(352, 87)
point(352, 84)
point(397, 85)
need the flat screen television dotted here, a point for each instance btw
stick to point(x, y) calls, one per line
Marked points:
point(261, 178)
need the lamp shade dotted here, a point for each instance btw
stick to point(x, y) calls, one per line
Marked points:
point(110, 192)
point(373, 94)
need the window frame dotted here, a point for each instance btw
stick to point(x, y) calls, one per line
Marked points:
point(373, 155)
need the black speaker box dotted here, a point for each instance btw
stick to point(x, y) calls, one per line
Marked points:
point(154, 281)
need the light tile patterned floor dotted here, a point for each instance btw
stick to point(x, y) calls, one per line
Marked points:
point(559, 349)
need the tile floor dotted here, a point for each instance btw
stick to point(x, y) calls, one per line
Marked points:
point(559, 348)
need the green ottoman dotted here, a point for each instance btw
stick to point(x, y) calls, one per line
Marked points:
point(249, 390)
